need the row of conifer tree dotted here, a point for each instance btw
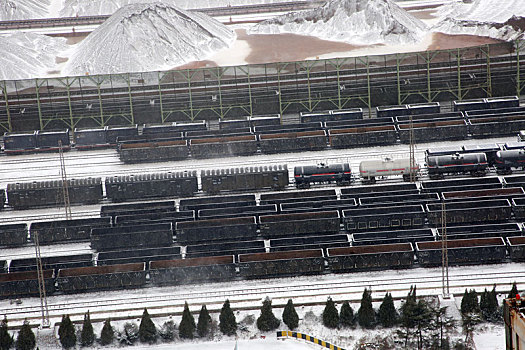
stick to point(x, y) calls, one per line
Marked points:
point(386, 316)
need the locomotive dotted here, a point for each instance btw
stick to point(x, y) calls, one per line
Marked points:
point(474, 163)
point(370, 169)
point(341, 174)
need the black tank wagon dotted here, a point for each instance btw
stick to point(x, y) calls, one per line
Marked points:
point(305, 175)
point(472, 163)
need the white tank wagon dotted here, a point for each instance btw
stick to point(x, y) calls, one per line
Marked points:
point(370, 169)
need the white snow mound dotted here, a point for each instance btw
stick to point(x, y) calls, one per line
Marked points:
point(23, 9)
point(148, 37)
point(28, 55)
point(360, 22)
point(504, 20)
point(73, 8)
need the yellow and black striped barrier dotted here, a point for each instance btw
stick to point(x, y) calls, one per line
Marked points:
point(281, 334)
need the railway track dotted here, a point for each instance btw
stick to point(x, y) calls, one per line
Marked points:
point(247, 295)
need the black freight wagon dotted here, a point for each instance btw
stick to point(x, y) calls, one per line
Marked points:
point(480, 231)
point(19, 143)
point(362, 136)
point(223, 146)
point(52, 140)
point(321, 222)
point(21, 284)
point(242, 228)
point(293, 142)
point(111, 277)
point(517, 248)
point(518, 207)
point(86, 139)
point(50, 193)
point(288, 128)
point(462, 251)
point(248, 178)
point(490, 126)
point(171, 184)
point(389, 237)
point(62, 231)
point(137, 236)
point(374, 218)
point(434, 131)
point(12, 235)
point(289, 263)
point(493, 193)
point(231, 212)
point(309, 242)
point(138, 255)
point(192, 270)
point(52, 262)
point(378, 256)
point(297, 196)
point(114, 132)
point(491, 210)
point(217, 202)
point(154, 151)
point(225, 248)
point(319, 205)
point(113, 210)
point(147, 217)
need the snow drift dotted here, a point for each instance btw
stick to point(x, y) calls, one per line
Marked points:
point(107, 7)
point(28, 55)
point(13, 10)
point(361, 22)
point(148, 37)
point(497, 19)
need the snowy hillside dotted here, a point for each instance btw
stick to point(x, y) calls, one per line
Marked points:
point(361, 22)
point(105, 7)
point(28, 55)
point(146, 37)
point(23, 9)
point(497, 19)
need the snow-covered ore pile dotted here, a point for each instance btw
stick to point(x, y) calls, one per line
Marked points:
point(28, 55)
point(504, 20)
point(359, 22)
point(148, 37)
point(13, 9)
point(107, 7)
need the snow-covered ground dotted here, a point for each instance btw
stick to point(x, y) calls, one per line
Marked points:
point(360, 22)
point(148, 37)
point(497, 19)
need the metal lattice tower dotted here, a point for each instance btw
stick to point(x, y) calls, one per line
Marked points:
point(41, 283)
point(413, 175)
point(65, 189)
point(444, 251)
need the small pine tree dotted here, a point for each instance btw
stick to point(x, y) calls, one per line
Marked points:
point(26, 338)
point(167, 331)
point(483, 303)
point(267, 321)
point(6, 340)
point(466, 303)
point(203, 325)
point(227, 322)
point(365, 314)
point(290, 317)
point(490, 311)
point(330, 314)
point(187, 324)
point(387, 314)
point(147, 329)
point(66, 333)
point(346, 315)
point(474, 301)
point(87, 337)
point(107, 334)
point(513, 291)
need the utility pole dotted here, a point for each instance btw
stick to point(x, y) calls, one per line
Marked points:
point(444, 251)
point(413, 175)
point(65, 189)
point(41, 284)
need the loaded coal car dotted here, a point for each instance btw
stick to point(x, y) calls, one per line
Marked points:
point(112, 210)
point(86, 139)
point(138, 255)
point(293, 141)
point(19, 143)
point(223, 146)
point(516, 248)
point(50, 141)
point(192, 270)
point(225, 248)
point(153, 151)
point(191, 232)
point(20, 284)
point(370, 169)
point(377, 218)
point(84, 279)
point(474, 210)
point(13, 235)
point(50, 193)
point(52, 262)
point(365, 257)
point(294, 224)
point(114, 132)
point(471, 163)
point(506, 161)
point(137, 236)
point(241, 179)
point(171, 184)
point(341, 174)
point(462, 251)
point(289, 263)
point(63, 231)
